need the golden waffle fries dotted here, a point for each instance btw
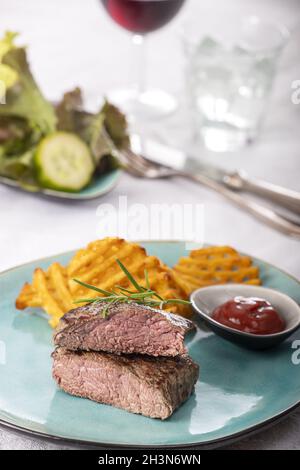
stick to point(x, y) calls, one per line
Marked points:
point(214, 265)
point(97, 265)
point(55, 291)
point(49, 290)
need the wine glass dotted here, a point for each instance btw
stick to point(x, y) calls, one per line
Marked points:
point(141, 17)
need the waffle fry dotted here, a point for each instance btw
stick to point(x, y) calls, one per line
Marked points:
point(49, 290)
point(55, 291)
point(97, 265)
point(214, 265)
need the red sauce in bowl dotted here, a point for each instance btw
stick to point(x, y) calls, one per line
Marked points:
point(249, 314)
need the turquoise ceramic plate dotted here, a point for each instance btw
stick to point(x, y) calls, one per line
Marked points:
point(99, 186)
point(239, 391)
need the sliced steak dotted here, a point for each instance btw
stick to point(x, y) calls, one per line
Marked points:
point(153, 387)
point(127, 329)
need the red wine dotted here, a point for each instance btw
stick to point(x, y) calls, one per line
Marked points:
point(142, 16)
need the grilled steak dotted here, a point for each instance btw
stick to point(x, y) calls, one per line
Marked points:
point(153, 387)
point(128, 328)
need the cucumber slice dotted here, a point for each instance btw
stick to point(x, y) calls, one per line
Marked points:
point(63, 162)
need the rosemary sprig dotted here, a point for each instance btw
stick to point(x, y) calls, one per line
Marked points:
point(130, 277)
point(142, 295)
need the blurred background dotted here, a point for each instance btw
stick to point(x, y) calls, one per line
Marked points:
point(75, 43)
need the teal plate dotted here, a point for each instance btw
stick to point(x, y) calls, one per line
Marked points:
point(239, 391)
point(99, 186)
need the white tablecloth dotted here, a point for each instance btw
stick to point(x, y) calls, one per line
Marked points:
point(74, 43)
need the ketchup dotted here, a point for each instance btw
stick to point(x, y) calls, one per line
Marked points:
point(249, 314)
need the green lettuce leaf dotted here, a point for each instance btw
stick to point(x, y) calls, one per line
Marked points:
point(24, 99)
point(97, 138)
point(116, 125)
point(16, 136)
point(8, 76)
point(104, 132)
point(18, 167)
point(7, 43)
point(68, 111)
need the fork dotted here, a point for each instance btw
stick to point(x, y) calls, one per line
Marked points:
point(141, 167)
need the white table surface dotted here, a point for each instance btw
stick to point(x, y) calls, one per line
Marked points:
point(74, 44)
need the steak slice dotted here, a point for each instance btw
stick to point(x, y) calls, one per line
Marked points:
point(153, 387)
point(127, 329)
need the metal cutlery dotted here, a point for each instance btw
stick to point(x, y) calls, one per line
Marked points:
point(286, 198)
point(141, 166)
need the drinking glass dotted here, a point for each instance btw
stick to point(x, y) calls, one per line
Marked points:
point(229, 83)
point(141, 17)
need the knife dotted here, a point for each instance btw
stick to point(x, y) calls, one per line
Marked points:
point(237, 180)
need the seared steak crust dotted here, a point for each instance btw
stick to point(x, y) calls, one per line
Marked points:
point(153, 387)
point(128, 329)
